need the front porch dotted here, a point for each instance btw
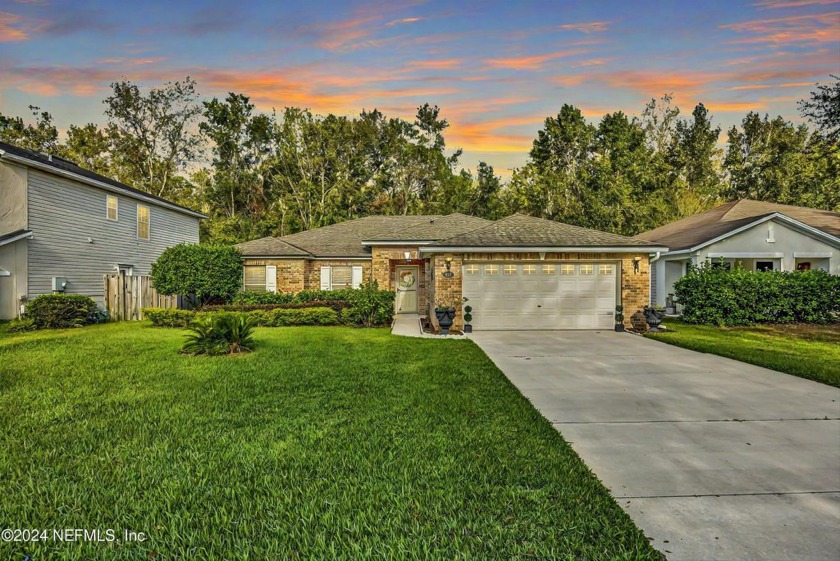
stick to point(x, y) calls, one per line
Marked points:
point(402, 270)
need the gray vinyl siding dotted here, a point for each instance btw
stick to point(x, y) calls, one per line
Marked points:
point(63, 214)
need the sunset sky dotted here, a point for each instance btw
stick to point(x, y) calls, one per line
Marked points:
point(496, 69)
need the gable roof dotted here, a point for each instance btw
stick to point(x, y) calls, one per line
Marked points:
point(271, 247)
point(14, 236)
point(521, 231)
point(725, 219)
point(64, 167)
point(431, 228)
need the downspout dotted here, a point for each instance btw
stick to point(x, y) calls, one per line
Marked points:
point(650, 281)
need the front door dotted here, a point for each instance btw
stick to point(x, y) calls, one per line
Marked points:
point(407, 279)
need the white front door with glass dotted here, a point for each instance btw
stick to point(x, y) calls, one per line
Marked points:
point(407, 277)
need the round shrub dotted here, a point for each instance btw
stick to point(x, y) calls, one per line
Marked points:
point(202, 271)
point(55, 311)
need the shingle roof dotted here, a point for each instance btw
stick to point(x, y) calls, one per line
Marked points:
point(520, 230)
point(345, 238)
point(68, 166)
point(271, 247)
point(432, 228)
point(699, 228)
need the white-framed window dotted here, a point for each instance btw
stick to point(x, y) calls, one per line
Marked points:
point(143, 223)
point(111, 211)
point(529, 269)
point(337, 277)
point(587, 269)
point(549, 269)
point(254, 278)
point(605, 269)
point(567, 269)
point(510, 269)
point(471, 269)
point(491, 270)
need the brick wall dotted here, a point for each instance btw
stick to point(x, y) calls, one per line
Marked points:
point(448, 290)
point(294, 275)
point(384, 262)
point(313, 278)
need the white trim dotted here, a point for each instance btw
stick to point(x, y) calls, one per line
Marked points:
point(812, 255)
point(4, 273)
point(108, 197)
point(339, 258)
point(275, 257)
point(397, 242)
point(271, 275)
point(746, 255)
point(98, 184)
point(149, 216)
point(525, 249)
point(22, 235)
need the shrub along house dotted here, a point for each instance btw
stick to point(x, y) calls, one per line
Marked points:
point(755, 235)
point(519, 272)
point(62, 228)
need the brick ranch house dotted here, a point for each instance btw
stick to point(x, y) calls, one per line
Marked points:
point(519, 272)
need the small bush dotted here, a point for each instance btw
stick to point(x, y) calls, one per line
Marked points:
point(202, 271)
point(714, 296)
point(371, 306)
point(282, 317)
point(19, 325)
point(220, 334)
point(55, 311)
point(168, 317)
point(250, 298)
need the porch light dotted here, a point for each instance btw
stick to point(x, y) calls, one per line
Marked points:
point(448, 263)
point(407, 255)
point(636, 261)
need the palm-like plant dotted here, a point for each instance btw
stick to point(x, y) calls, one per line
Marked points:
point(220, 334)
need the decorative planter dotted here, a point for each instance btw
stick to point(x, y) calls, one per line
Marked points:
point(467, 328)
point(619, 328)
point(654, 318)
point(445, 319)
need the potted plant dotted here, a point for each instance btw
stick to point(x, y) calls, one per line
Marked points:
point(653, 316)
point(467, 318)
point(619, 318)
point(445, 314)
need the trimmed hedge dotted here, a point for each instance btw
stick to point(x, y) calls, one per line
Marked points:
point(367, 306)
point(714, 296)
point(56, 311)
point(203, 272)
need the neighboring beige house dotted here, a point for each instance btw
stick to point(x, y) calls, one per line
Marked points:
point(519, 272)
point(63, 227)
point(752, 234)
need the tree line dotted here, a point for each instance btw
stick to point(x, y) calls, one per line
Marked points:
point(258, 174)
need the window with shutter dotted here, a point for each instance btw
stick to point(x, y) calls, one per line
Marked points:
point(341, 277)
point(254, 278)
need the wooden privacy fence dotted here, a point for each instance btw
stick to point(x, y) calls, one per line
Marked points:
point(127, 295)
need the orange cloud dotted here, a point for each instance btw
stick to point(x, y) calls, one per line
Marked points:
point(403, 21)
point(768, 86)
point(588, 27)
point(490, 135)
point(792, 3)
point(533, 62)
point(808, 29)
point(435, 64)
point(12, 28)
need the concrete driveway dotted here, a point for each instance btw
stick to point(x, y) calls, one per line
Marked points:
point(713, 458)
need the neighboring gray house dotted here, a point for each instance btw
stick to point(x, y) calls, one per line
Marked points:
point(755, 235)
point(63, 227)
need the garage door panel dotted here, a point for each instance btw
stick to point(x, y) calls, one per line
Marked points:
point(542, 296)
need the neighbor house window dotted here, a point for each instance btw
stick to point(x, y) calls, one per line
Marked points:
point(587, 269)
point(254, 278)
point(804, 266)
point(471, 269)
point(143, 222)
point(112, 207)
point(341, 277)
point(529, 269)
point(567, 269)
point(605, 269)
point(763, 265)
point(548, 269)
point(491, 270)
point(510, 269)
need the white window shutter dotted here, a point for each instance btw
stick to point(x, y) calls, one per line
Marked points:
point(356, 279)
point(271, 278)
point(325, 278)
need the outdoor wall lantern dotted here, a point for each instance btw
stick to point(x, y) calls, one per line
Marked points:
point(407, 255)
point(636, 261)
point(448, 273)
point(448, 261)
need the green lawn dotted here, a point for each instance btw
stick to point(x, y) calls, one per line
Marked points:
point(326, 443)
point(808, 351)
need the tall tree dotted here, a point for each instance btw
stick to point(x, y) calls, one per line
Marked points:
point(89, 147)
point(153, 134)
point(41, 136)
point(823, 109)
point(695, 160)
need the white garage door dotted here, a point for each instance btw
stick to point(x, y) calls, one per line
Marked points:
point(541, 295)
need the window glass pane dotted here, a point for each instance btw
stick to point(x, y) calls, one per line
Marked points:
point(143, 222)
point(254, 277)
point(471, 269)
point(491, 269)
point(112, 207)
point(549, 269)
point(529, 269)
point(567, 269)
point(605, 269)
point(510, 269)
point(587, 269)
point(341, 277)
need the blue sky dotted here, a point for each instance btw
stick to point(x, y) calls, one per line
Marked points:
point(496, 69)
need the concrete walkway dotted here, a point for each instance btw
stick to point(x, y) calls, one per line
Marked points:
point(712, 458)
point(408, 325)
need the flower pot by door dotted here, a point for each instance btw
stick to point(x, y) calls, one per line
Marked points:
point(445, 319)
point(407, 276)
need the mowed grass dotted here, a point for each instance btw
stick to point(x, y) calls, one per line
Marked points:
point(807, 351)
point(325, 443)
